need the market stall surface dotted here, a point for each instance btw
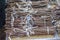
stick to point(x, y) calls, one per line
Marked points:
point(40, 37)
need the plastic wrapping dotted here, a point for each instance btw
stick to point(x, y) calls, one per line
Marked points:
point(25, 21)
